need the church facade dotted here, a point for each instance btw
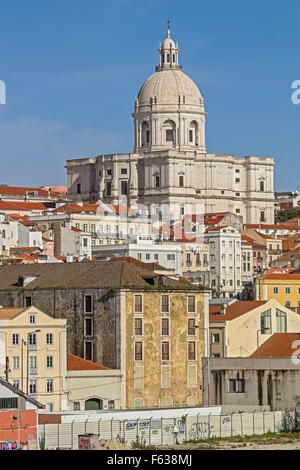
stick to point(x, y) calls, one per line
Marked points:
point(170, 166)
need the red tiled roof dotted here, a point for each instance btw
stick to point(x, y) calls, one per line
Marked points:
point(289, 277)
point(21, 206)
point(234, 310)
point(75, 229)
point(22, 191)
point(278, 345)
point(77, 363)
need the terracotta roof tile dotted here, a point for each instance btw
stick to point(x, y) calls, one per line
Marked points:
point(78, 363)
point(234, 310)
point(278, 345)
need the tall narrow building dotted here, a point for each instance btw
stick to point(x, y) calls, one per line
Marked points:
point(170, 166)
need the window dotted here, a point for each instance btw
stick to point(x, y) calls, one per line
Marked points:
point(275, 290)
point(262, 216)
point(76, 406)
point(215, 338)
point(169, 135)
point(32, 319)
point(108, 188)
point(157, 183)
point(237, 180)
point(49, 338)
point(148, 256)
point(165, 326)
point(8, 403)
point(147, 137)
point(32, 363)
point(138, 326)
point(181, 181)
point(262, 186)
point(265, 322)
point(78, 188)
point(165, 303)
point(16, 383)
point(191, 304)
point(49, 385)
point(138, 303)
point(88, 304)
point(111, 404)
point(49, 362)
point(50, 407)
point(88, 326)
point(191, 350)
point(191, 135)
point(15, 339)
point(165, 351)
point(280, 321)
point(124, 187)
point(287, 304)
point(88, 350)
point(123, 171)
point(85, 227)
point(287, 290)
point(27, 301)
point(138, 351)
point(32, 386)
point(16, 362)
point(108, 172)
point(237, 385)
point(191, 326)
point(32, 339)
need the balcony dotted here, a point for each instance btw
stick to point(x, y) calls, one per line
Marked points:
point(274, 252)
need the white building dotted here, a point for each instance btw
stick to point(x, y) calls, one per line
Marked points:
point(145, 249)
point(225, 260)
point(170, 165)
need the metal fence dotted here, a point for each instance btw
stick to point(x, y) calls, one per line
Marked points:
point(164, 431)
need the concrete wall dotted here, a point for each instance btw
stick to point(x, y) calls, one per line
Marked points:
point(268, 382)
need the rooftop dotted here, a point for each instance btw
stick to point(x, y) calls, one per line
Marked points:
point(278, 345)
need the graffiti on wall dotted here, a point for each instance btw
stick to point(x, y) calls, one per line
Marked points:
point(13, 445)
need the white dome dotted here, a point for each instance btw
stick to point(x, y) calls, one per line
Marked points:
point(168, 42)
point(168, 87)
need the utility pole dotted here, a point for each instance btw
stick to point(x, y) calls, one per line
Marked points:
point(7, 370)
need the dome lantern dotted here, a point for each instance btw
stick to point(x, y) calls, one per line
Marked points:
point(168, 52)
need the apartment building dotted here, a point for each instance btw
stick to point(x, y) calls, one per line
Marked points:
point(33, 354)
point(225, 260)
point(284, 287)
point(239, 328)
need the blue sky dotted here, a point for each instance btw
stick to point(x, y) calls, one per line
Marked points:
point(73, 68)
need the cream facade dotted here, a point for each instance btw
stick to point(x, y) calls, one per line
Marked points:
point(88, 388)
point(33, 354)
point(170, 165)
point(243, 334)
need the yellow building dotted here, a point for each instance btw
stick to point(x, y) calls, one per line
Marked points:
point(239, 328)
point(33, 354)
point(164, 341)
point(285, 288)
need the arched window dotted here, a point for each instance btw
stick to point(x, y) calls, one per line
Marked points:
point(145, 134)
point(169, 132)
point(94, 404)
point(193, 133)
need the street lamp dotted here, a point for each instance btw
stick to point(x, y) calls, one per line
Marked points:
point(208, 353)
point(27, 359)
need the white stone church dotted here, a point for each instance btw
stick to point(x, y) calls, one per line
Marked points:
point(170, 165)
